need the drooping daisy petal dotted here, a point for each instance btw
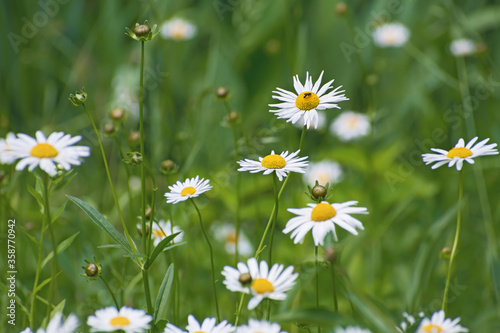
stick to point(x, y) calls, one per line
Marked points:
point(439, 324)
point(127, 319)
point(282, 164)
point(259, 326)
point(207, 326)
point(190, 188)
point(391, 35)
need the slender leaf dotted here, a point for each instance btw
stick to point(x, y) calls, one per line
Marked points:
point(60, 248)
point(373, 314)
point(158, 249)
point(36, 195)
point(164, 293)
point(59, 211)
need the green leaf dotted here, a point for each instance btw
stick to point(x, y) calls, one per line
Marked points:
point(173, 245)
point(101, 221)
point(36, 195)
point(105, 246)
point(60, 248)
point(58, 308)
point(61, 182)
point(164, 293)
point(312, 316)
point(44, 283)
point(373, 314)
point(158, 249)
point(58, 213)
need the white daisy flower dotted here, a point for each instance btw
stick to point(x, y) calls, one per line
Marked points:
point(226, 233)
point(321, 218)
point(350, 125)
point(127, 319)
point(47, 152)
point(391, 35)
point(190, 188)
point(351, 329)
point(259, 281)
point(438, 324)
point(321, 121)
point(307, 101)
point(463, 47)
point(324, 172)
point(259, 326)
point(208, 326)
point(6, 156)
point(177, 29)
point(460, 153)
point(57, 325)
point(281, 164)
point(162, 230)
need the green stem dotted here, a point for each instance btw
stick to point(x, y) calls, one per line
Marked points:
point(455, 242)
point(111, 292)
point(153, 203)
point(211, 258)
point(334, 285)
point(274, 217)
point(127, 171)
point(177, 289)
point(240, 306)
point(317, 280)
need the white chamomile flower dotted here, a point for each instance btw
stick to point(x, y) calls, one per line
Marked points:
point(321, 218)
point(47, 152)
point(259, 326)
point(207, 326)
point(307, 101)
point(324, 172)
point(350, 125)
point(258, 281)
point(438, 324)
point(282, 164)
point(462, 47)
point(163, 229)
point(351, 329)
point(177, 29)
point(6, 156)
point(391, 35)
point(190, 188)
point(226, 233)
point(460, 153)
point(321, 121)
point(57, 325)
point(127, 319)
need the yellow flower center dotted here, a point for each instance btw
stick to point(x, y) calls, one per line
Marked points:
point(119, 321)
point(307, 101)
point(322, 212)
point(459, 152)
point(273, 162)
point(262, 286)
point(43, 150)
point(231, 238)
point(431, 328)
point(188, 190)
point(158, 233)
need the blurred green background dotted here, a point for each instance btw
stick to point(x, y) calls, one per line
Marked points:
point(416, 97)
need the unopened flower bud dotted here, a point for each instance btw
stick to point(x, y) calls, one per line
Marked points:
point(134, 138)
point(147, 214)
point(117, 114)
point(142, 30)
point(78, 98)
point(319, 191)
point(168, 167)
point(109, 129)
point(341, 8)
point(233, 117)
point(245, 278)
point(134, 158)
point(330, 255)
point(445, 253)
point(139, 230)
point(222, 92)
point(91, 269)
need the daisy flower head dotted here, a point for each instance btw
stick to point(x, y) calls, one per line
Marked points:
point(325, 172)
point(57, 149)
point(259, 326)
point(350, 125)
point(259, 281)
point(162, 230)
point(177, 29)
point(190, 188)
point(463, 47)
point(282, 164)
point(207, 326)
point(6, 156)
point(438, 324)
point(391, 35)
point(308, 99)
point(58, 325)
point(321, 218)
point(226, 234)
point(351, 329)
point(460, 153)
point(111, 319)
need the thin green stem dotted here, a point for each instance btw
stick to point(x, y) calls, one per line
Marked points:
point(111, 292)
point(274, 217)
point(238, 312)
point(145, 279)
point(455, 242)
point(177, 281)
point(127, 171)
point(153, 203)
point(317, 280)
point(141, 131)
point(334, 287)
point(211, 258)
point(55, 264)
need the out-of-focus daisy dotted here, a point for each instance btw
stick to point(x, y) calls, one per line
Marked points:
point(127, 319)
point(351, 329)
point(226, 233)
point(282, 164)
point(460, 153)
point(350, 125)
point(408, 321)
point(321, 121)
point(391, 35)
point(163, 229)
point(321, 218)
point(190, 188)
point(324, 172)
point(177, 29)
point(47, 152)
point(463, 47)
point(259, 326)
point(307, 101)
point(6, 156)
point(207, 326)
point(58, 325)
point(259, 281)
point(438, 324)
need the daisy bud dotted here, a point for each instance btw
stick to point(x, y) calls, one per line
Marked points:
point(222, 92)
point(341, 8)
point(331, 255)
point(147, 214)
point(142, 30)
point(168, 167)
point(445, 253)
point(117, 114)
point(109, 129)
point(319, 191)
point(78, 98)
point(245, 278)
point(92, 270)
point(134, 138)
point(232, 117)
point(134, 158)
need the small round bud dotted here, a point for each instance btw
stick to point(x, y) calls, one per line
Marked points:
point(245, 278)
point(117, 114)
point(319, 191)
point(445, 253)
point(481, 47)
point(134, 138)
point(109, 129)
point(341, 8)
point(78, 98)
point(233, 117)
point(221, 92)
point(142, 30)
point(147, 214)
point(330, 255)
point(91, 270)
point(134, 158)
point(168, 165)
